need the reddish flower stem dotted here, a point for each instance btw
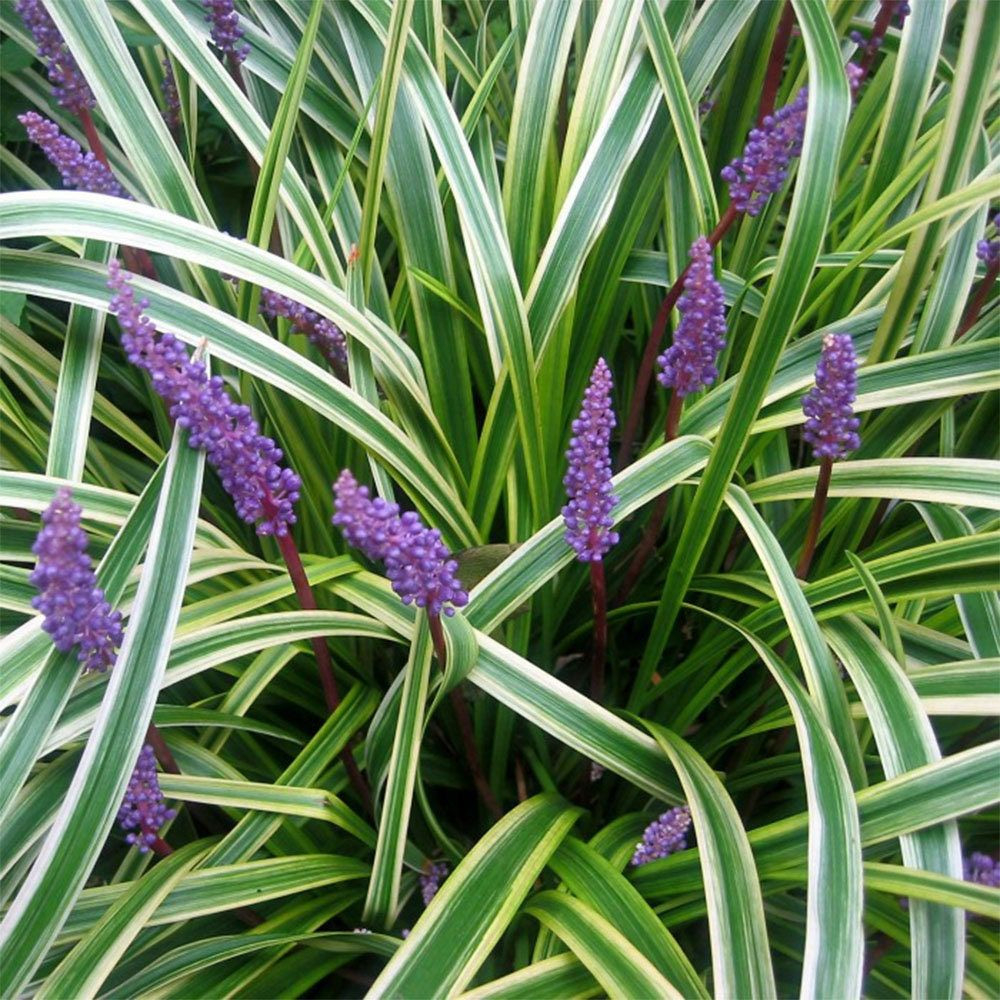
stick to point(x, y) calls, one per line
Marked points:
point(648, 541)
point(161, 847)
point(819, 506)
point(880, 27)
point(776, 62)
point(979, 299)
point(155, 739)
point(645, 375)
point(464, 720)
point(599, 595)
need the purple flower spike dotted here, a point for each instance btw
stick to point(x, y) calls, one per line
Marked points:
point(417, 563)
point(248, 463)
point(171, 99)
point(896, 10)
point(78, 169)
point(763, 167)
point(142, 808)
point(689, 363)
point(588, 479)
point(326, 336)
point(663, 836)
point(988, 251)
point(981, 868)
point(831, 427)
point(855, 77)
point(431, 878)
point(68, 85)
point(226, 30)
point(75, 608)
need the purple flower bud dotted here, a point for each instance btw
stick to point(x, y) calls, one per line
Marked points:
point(248, 463)
point(831, 427)
point(763, 167)
point(855, 76)
point(171, 99)
point(588, 479)
point(433, 875)
point(68, 85)
point(663, 836)
point(689, 363)
point(226, 30)
point(988, 251)
point(75, 608)
point(981, 868)
point(143, 808)
point(326, 336)
point(417, 562)
point(78, 169)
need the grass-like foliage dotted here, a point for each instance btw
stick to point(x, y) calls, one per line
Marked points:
point(499, 499)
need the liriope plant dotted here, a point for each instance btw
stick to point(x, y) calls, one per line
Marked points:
point(336, 336)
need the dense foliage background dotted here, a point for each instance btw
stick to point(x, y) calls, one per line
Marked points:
point(486, 198)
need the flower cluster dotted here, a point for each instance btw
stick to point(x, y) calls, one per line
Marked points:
point(988, 251)
point(226, 30)
point(417, 562)
point(763, 167)
point(326, 336)
point(587, 516)
point(75, 608)
point(78, 169)
point(983, 869)
point(663, 836)
point(247, 462)
point(689, 363)
point(431, 877)
point(171, 99)
point(143, 808)
point(855, 76)
point(831, 427)
point(69, 87)
point(873, 44)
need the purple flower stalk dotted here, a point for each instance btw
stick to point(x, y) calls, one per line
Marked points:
point(143, 808)
point(988, 251)
point(326, 336)
point(431, 878)
point(855, 77)
point(831, 427)
point(763, 167)
point(588, 479)
point(226, 30)
point(981, 868)
point(78, 169)
point(171, 99)
point(663, 836)
point(248, 463)
point(873, 44)
point(75, 608)
point(69, 87)
point(689, 363)
point(417, 563)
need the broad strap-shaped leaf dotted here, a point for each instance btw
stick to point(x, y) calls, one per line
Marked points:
point(477, 901)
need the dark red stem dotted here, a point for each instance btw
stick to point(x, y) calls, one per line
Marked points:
point(464, 720)
point(155, 739)
point(979, 299)
point(879, 29)
point(819, 506)
point(652, 349)
point(161, 847)
point(598, 593)
point(776, 62)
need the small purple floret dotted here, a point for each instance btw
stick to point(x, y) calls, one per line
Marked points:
point(431, 878)
point(663, 836)
point(143, 808)
point(226, 30)
point(75, 608)
point(417, 563)
point(831, 427)
point(326, 336)
point(763, 167)
point(78, 169)
point(171, 99)
point(981, 868)
point(689, 363)
point(69, 87)
point(587, 516)
point(988, 251)
point(248, 463)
